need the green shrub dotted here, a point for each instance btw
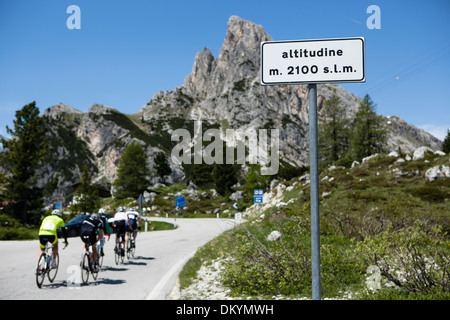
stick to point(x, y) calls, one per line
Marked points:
point(11, 229)
point(415, 259)
point(259, 267)
point(430, 193)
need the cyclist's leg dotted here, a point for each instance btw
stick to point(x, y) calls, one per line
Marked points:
point(94, 253)
point(101, 244)
point(94, 250)
point(127, 229)
point(42, 242)
point(134, 228)
point(55, 247)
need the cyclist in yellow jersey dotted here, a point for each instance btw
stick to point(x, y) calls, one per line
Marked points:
point(48, 232)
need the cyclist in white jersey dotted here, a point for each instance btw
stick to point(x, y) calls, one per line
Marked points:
point(134, 220)
point(120, 223)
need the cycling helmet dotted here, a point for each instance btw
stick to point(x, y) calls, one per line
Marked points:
point(102, 211)
point(121, 209)
point(57, 212)
point(95, 216)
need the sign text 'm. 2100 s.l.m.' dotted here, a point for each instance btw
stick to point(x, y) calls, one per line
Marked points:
point(312, 61)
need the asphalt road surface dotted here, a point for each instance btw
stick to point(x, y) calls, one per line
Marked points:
point(160, 256)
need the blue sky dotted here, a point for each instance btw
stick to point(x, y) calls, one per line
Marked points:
point(128, 50)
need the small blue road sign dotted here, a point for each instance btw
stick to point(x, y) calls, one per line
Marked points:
point(180, 201)
point(258, 195)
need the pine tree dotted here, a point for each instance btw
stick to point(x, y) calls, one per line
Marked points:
point(224, 176)
point(162, 165)
point(132, 173)
point(21, 157)
point(369, 133)
point(201, 175)
point(86, 195)
point(334, 134)
point(446, 143)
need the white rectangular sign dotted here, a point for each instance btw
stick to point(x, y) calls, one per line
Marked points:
point(312, 61)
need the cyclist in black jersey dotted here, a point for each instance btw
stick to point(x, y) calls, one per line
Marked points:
point(88, 233)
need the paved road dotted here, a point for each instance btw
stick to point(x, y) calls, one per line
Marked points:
point(160, 256)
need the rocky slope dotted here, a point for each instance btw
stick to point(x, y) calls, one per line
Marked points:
point(220, 92)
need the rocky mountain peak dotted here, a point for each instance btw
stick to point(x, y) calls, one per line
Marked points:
point(100, 109)
point(238, 59)
point(243, 40)
point(59, 109)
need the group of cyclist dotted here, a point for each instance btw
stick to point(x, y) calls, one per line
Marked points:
point(92, 230)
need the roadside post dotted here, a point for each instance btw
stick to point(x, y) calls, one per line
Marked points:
point(312, 62)
point(140, 202)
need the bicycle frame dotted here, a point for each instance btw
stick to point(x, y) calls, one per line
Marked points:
point(45, 265)
point(118, 248)
point(86, 264)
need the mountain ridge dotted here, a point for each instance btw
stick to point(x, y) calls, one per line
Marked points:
point(222, 92)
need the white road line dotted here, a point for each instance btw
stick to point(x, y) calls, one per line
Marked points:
point(156, 292)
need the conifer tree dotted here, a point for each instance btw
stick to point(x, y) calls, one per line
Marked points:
point(86, 195)
point(369, 133)
point(162, 165)
point(446, 143)
point(201, 175)
point(21, 157)
point(225, 176)
point(334, 134)
point(132, 173)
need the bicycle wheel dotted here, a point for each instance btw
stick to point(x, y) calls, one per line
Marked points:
point(95, 271)
point(85, 268)
point(133, 247)
point(100, 258)
point(117, 253)
point(128, 248)
point(122, 254)
point(53, 271)
point(41, 270)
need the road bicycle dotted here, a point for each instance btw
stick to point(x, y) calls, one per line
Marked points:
point(100, 257)
point(131, 245)
point(119, 255)
point(86, 264)
point(47, 265)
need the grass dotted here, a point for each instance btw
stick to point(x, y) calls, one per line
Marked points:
point(158, 226)
point(378, 200)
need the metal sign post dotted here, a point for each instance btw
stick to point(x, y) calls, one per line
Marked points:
point(314, 193)
point(312, 62)
point(140, 202)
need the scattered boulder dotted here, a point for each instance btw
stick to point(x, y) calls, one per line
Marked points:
point(393, 154)
point(437, 172)
point(420, 152)
point(274, 236)
point(369, 157)
point(192, 186)
point(237, 195)
point(149, 197)
point(273, 184)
